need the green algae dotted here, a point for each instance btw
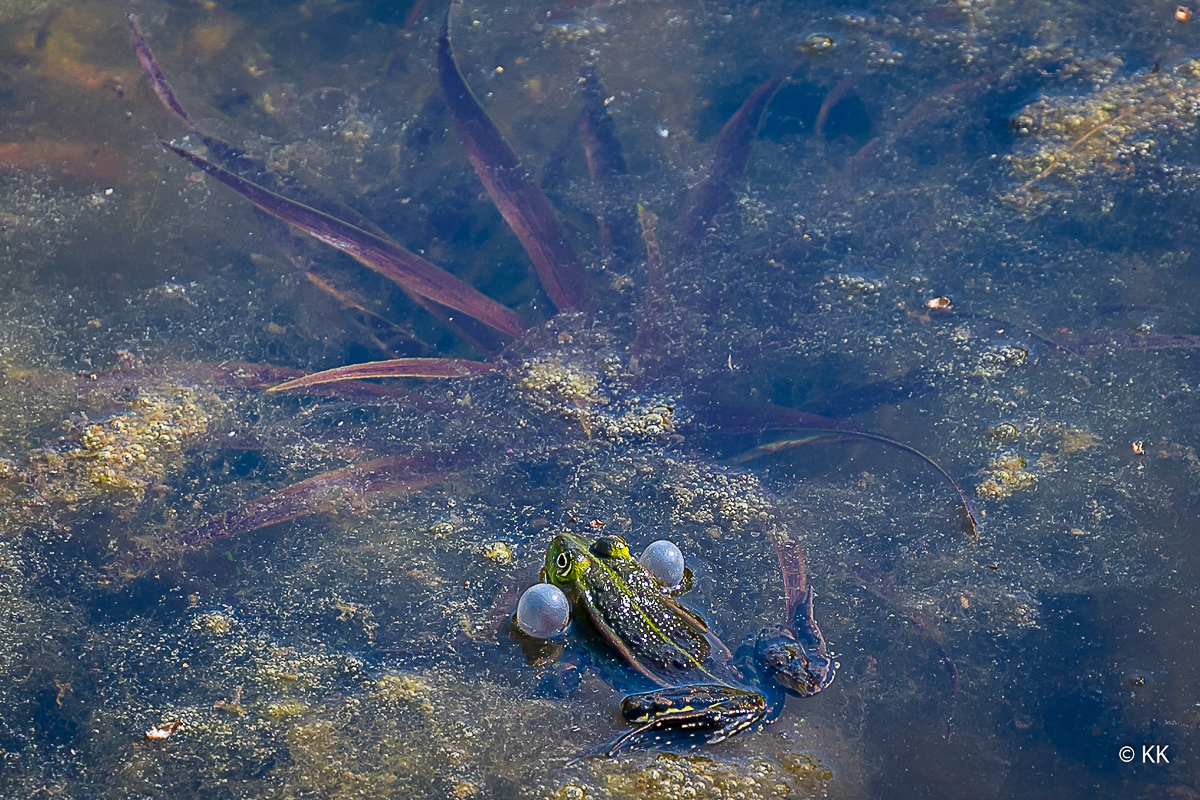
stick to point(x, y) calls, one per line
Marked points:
point(124, 455)
point(1126, 124)
point(671, 777)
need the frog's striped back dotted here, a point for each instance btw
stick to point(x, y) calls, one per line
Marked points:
point(648, 629)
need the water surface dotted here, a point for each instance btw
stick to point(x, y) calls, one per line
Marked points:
point(1033, 163)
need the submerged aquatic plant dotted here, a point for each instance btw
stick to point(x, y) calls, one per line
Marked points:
point(530, 216)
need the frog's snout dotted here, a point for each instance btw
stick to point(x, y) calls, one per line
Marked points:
point(802, 670)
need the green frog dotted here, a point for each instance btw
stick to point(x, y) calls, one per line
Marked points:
point(701, 696)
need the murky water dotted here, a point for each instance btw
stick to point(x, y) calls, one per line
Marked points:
point(1034, 163)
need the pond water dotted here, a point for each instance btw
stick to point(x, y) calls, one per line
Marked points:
point(970, 227)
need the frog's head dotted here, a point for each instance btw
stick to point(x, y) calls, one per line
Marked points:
point(570, 555)
point(796, 656)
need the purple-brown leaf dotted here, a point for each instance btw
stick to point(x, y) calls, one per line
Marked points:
point(388, 258)
point(519, 200)
point(392, 368)
point(714, 195)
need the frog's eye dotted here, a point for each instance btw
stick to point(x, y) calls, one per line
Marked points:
point(605, 546)
point(562, 563)
point(610, 547)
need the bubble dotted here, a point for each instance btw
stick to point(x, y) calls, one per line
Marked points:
point(543, 611)
point(664, 561)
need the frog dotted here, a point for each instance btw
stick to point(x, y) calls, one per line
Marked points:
point(702, 693)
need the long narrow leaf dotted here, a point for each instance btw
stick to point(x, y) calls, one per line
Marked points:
point(843, 431)
point(389, 259)
point(519, 200)
point(145, 57)
point(720, 418)
point(649, 339)
point(392, 368)
point(610, 174)
point(234, 374)
point(883, 587)
point(714, 195)
point(320, 493)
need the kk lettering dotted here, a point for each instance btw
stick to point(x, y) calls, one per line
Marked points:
point(1155, 754)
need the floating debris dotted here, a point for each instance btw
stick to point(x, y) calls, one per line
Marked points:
point(165, 731)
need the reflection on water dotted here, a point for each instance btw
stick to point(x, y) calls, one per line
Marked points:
point(1034, 164)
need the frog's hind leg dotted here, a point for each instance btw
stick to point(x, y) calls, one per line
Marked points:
point(646, 736)
point(684, 717)
point(684, 730)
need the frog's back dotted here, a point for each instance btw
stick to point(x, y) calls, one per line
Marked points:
point(652, 632)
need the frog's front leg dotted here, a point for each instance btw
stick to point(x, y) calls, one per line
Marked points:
point(797, 657)
point(701, 714)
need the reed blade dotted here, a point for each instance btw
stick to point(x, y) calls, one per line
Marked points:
point(391, 368)
point(883, 587)
point(320, 493)
point(519, 200)
point(813, 428)
point(158, 81)
point(650, 336)
point(389, 259)
point(231, 374)
point(610, 174)
point(842, 431)
point(713, 196)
